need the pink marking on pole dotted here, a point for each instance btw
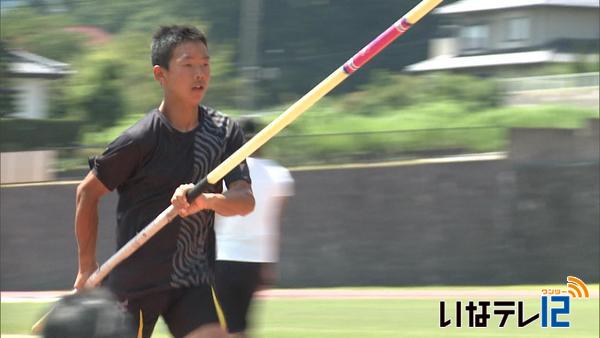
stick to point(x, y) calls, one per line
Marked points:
point(375, 46)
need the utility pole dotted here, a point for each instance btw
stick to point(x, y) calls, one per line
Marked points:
point(250, 15)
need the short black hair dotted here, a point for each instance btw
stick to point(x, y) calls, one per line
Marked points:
point(167, 38)
point(91, 313)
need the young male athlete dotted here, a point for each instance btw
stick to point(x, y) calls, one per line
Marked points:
point(179, 142)
point(248, 246)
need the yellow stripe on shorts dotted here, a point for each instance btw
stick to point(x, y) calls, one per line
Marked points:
point(220, 313)
point(141, 327)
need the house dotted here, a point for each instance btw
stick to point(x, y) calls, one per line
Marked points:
point(485, 37)
point(30, 76)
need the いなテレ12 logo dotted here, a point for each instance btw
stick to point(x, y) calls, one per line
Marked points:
point(576, 288)
point(554, 311)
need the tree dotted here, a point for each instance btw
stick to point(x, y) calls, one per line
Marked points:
point(105, 103)
point(307, 40)
point(96, 93)
point(43, 34)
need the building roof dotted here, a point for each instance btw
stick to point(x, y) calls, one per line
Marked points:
point(25, 64)
point(490, 60)
point(466, 6)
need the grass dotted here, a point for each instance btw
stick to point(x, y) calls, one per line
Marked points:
point(398, 318)
point(327, 118)
point(442, 125)
point(387, 132)
point(381, 318)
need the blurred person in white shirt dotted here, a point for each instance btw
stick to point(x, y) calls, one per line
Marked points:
point(248, 246)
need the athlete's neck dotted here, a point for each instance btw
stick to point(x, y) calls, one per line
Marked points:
point(182, 117)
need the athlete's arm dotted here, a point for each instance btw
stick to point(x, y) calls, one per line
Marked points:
point(237, 200)
point(89, 192)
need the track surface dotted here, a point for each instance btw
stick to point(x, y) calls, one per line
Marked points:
point(48, 296)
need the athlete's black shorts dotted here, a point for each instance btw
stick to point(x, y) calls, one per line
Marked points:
point(183, 310)
point(235, 282)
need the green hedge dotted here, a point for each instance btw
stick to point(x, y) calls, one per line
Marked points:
point(30, 134)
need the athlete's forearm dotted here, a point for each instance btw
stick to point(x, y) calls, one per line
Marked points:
point(86, 229)
point(235, 201)
point(89, 192)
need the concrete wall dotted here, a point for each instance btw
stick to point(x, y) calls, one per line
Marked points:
point(556, 145)
point(461, 223)
point(37, 245)
point(27, 166)
point(532, 218)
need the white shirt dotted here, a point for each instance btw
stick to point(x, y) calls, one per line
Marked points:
point(255, 237)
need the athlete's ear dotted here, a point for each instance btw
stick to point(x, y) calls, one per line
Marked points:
point(159, 74)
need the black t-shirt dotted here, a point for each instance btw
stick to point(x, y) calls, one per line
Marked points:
point(146, 164)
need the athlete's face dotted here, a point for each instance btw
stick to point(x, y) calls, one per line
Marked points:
point(189, 73)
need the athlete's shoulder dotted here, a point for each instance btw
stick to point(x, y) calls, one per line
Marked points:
point(220, 121)
point(144, 132)
point(144, 126)
point(218, 118)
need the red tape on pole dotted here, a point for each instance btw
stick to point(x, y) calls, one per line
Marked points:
point(373, 48)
